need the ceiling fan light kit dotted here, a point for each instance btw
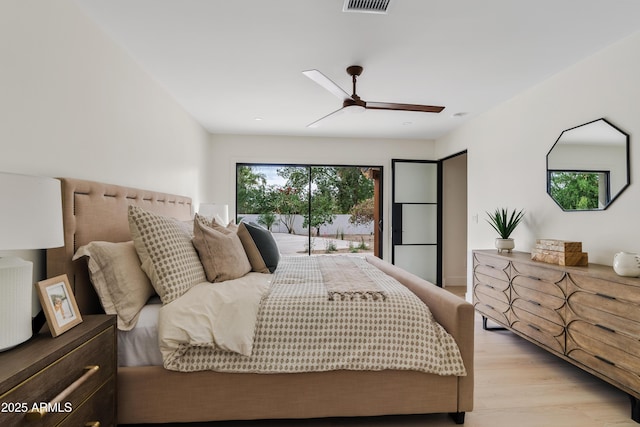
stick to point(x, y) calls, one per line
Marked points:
point(353, 102)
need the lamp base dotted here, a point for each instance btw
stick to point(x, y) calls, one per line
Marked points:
point(16, 287)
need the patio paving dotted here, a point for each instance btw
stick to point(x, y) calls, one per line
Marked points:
point(293, 244)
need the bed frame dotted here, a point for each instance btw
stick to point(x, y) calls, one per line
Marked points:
point(151, 394)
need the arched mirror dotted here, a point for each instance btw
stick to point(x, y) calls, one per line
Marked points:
point(588, 166)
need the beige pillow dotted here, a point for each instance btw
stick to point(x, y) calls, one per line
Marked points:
point(166, 252)
point(221, 252)
point(121, 285)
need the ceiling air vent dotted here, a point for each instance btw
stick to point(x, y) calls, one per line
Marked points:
point(366, 6)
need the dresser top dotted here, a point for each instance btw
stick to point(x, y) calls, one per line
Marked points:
point(593, 270)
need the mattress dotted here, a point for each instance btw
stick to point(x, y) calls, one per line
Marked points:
point(139, 346)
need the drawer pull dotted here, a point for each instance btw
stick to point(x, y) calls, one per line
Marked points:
point(92, 424)
point(534, 302)
point(605, 360)
point(534, 278)
point(534, 327)
point(606, 328)
point(604, 296)
point(38, 414)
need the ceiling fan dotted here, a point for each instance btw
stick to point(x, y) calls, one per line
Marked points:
point(354, 102)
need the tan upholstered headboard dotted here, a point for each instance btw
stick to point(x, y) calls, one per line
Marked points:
point(93, 211)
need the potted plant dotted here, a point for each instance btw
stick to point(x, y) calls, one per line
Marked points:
point(504, 222)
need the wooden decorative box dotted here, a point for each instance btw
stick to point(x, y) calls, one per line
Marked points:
point(560, 252)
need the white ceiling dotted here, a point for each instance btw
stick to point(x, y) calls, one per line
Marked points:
point(230, 62)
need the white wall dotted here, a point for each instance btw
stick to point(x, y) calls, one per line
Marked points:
point(74, 104)
point(227, 150)
point(507, 149)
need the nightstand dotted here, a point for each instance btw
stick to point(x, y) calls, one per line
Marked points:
point(71, 377)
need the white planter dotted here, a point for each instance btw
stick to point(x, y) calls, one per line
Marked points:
point(626, 264)
point(505, 245)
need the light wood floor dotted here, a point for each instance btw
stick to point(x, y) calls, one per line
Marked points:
point(516, 385)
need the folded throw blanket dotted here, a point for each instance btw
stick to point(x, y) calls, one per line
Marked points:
point(345, 280)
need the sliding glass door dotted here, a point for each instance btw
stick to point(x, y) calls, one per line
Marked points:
point(313, 209)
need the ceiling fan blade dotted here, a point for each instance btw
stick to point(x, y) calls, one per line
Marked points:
point(403, 107)
point(326, 83)
point(335, 113)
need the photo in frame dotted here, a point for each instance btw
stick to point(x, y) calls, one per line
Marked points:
point(59, 304)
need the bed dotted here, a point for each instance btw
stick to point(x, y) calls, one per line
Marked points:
point(94, 211)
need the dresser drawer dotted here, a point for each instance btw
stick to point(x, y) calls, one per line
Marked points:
point(536, 272)
point(546, 333)
point(48, 383)
point(605, 343)
point(606, 288)
point(490, 272)
point(584, 302)
point(491, 281)
point(497, 264)
point(538, 303)
point(493, 291)
point(593, 314)
point(542, 286)
point(490, 307)
point(607, 368)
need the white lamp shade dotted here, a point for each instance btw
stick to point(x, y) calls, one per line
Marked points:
point(31, 213)
point(215, 210)
point(30, 218)
point(15, 301)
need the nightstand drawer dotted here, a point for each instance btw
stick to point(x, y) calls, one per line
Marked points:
point(98, 409)
point(56, 378)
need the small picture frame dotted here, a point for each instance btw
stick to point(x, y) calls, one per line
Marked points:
point(59, 304)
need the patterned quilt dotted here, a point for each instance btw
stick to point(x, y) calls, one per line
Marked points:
point(299, 329)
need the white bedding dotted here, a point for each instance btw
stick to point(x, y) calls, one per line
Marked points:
point(298, 328)
point(221, 313)
point(139, 346)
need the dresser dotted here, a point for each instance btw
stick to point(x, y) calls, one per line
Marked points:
point(588, 316)
point(69, 380)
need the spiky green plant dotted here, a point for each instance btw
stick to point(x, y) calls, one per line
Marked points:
point(504, 222)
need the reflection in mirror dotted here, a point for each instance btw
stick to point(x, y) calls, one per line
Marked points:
point(588, 166)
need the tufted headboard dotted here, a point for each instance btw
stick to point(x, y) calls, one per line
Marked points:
point(93, 211)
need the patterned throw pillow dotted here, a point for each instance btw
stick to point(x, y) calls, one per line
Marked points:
point(221, 252)
point(260, 246)
point(166, 252)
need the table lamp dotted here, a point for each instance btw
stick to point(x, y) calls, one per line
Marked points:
point(30, 218)
point(220, 212)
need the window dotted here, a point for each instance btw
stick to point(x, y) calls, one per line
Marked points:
point(311, 209)
point(579, 190)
